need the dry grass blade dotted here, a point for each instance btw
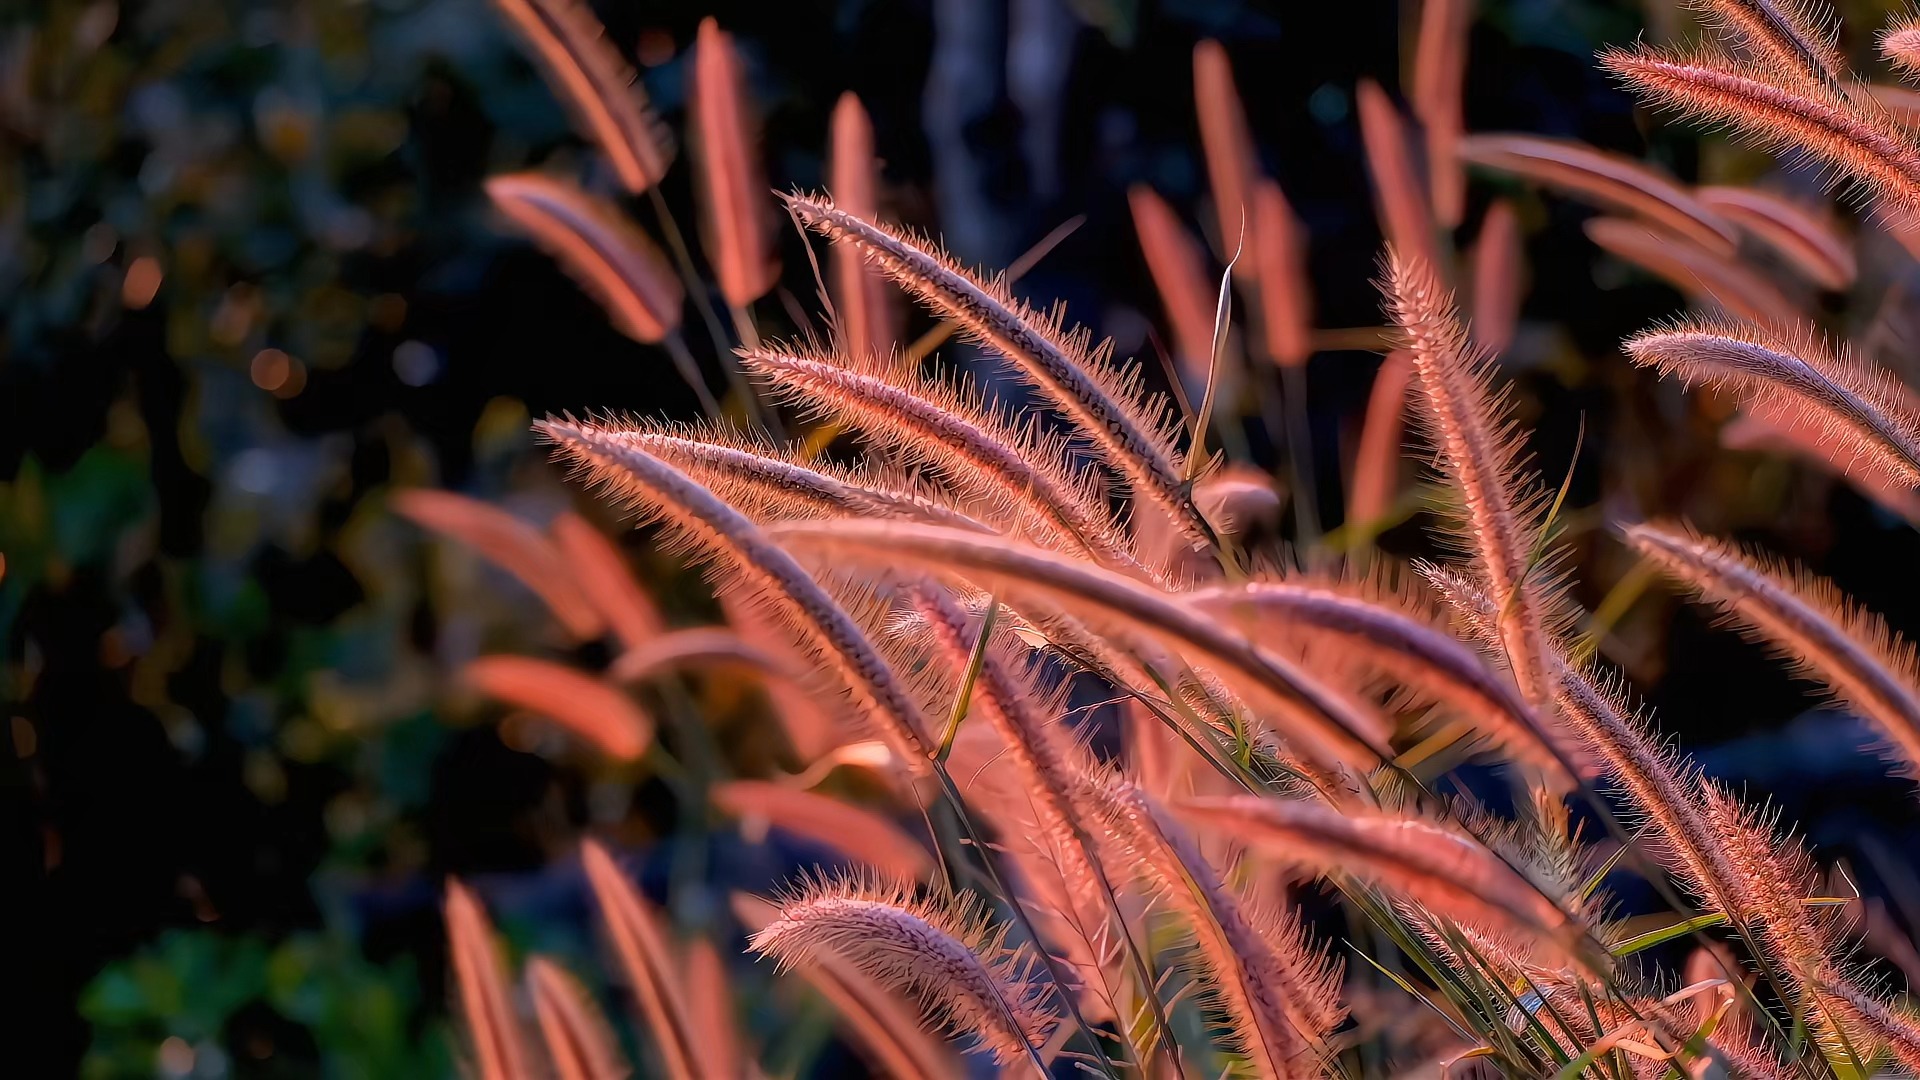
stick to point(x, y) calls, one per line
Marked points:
point(856, 832)
point(649, 961)
point(1286, 292)
point(1446, 872)
point(941, 952)
point(736, 226)
point(881, 1024)
point(1411, 650)
point(1439, 76)
point(1610, 180)
point(511, 544)
point(1853, 136)
point(1400, 197)
point(1870, 419)
point(1327, 725)
point(863, 316)
point(1806, 240)
point(1280, 995)
point(1481, 457)
point(486, 1003)
point(1701, 274)
point(610, 257)
point(1179, 270)
point(580, 1044)
point(1808, 621)
point(1133, 431)
point(584, 705)
point(1499, 273)
point(606, 580)
point(1232, 163)
point(597, 84)
point(750, 561)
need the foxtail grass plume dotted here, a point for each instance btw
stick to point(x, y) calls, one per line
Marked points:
point(650, 962)
point(883, 1026)
point(1498, 278)
point(700, 646)
point(1279, 993)
point(1477, 451)
point(511, 544)
point(1399, 194)
point(1851, 135)
point(1439, 77)
point(610, 258)
point(1413, 652)
point(1660, 786)
point(710, 1008)
point(1793, 37)
point(1806, 620)
point(485, 995)
point(1807, 241)
point(1713, 280)
point(1871, 420)
point(1028, 477)
point(736, 225)
point(1179, 270)
point(1444, 871)
point(940, 952)
point(862, 303)
point(769, 483)
point(607, 580)
point(1328, 726)
point(1609, 180)
point(1132, 431)
point(1900, 46)
point(646, 485)
point(1376, 465)
point(597, 84)
point(854, 831)
point(582, 704)
point(1233, 164)
point(580, 1045)
point(1801, 437)
point(1286, 291)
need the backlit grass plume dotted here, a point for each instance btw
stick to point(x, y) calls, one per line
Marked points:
point(486, 1002)
point(1130, 796)
point(1850, 134)
point(1870, 419)
point(579, 1043)
point(597, 85)
point(646, 485)
point(1480, 455)
point(1805, 238)
point(1329, 725)
point(1611, 180)
point(942, 952)
point(1807, 621)
point(948, 430)
point(735, 219)
point(1132, 429)
point(1280, 994)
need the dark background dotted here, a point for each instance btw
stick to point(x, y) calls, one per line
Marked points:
point(235, 777)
